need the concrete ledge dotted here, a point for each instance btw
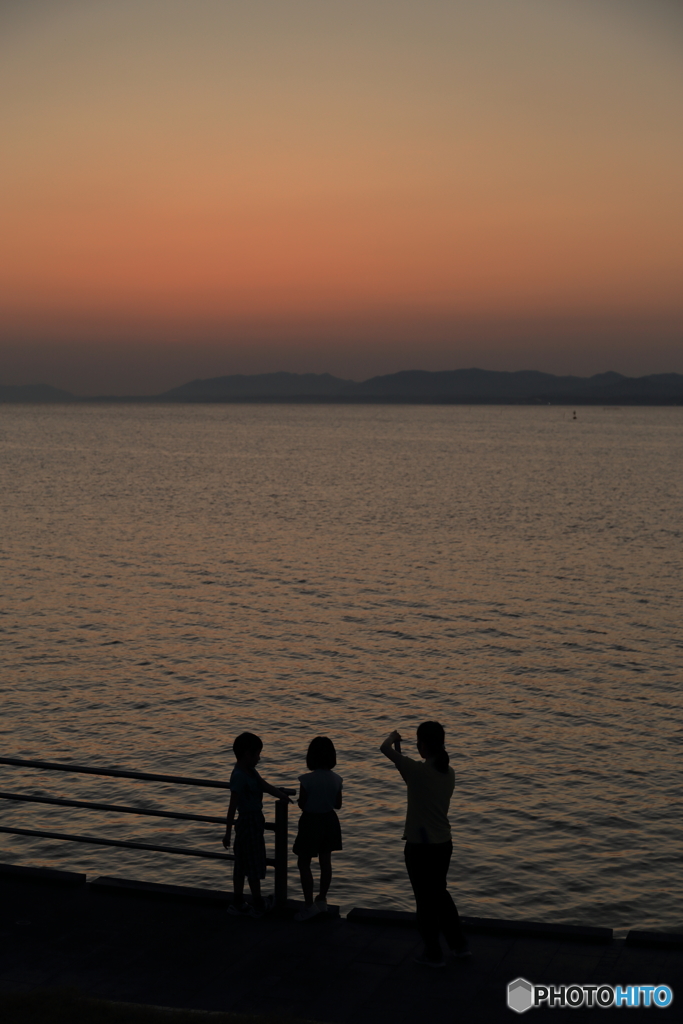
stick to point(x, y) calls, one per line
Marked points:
point(363, 915)
point(110, 886)
point(491, 926)
point(292, 906)
point(157, 890)
point(656, 940)
point(538, 930)
point(49, 875)
point(163, 951)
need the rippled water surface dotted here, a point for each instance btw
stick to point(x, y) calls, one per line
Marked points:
point(174, 575)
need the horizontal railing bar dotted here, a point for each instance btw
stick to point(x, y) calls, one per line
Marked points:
point(91, 805)
point(126, 843)
point(178, 780)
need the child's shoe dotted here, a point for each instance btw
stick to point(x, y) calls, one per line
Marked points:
point(308, 912)
point(321, 905)
point(242, 911)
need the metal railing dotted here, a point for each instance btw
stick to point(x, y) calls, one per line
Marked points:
point(278, 862)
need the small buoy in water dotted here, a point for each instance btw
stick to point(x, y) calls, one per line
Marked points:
point(574, 414)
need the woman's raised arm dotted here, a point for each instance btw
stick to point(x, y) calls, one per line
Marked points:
point(391, 747)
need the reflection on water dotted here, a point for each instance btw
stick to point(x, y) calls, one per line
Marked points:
point(174, 575)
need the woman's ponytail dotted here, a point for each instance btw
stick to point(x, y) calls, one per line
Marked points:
point(432, 736)
point(442, 760)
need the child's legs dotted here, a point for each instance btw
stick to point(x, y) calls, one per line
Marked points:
point(238, 884)
point(255, 887)
point(250, 858)
point(325, 858)
point(306, 878)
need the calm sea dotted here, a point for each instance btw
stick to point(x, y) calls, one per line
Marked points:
point(172, 576)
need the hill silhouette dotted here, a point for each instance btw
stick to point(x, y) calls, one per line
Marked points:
point(524, 387)
point(441, 387)
point(34, 393)
point(262, 385)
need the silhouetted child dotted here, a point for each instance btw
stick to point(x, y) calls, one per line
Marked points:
point(246, 798)
point(319, 832)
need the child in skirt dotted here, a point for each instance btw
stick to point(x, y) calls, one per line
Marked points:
point(319, 833)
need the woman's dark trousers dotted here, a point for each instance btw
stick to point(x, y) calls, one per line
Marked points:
point(427, 865)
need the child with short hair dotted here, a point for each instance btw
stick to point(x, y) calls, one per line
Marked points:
point(319, 832)
point(246, 798)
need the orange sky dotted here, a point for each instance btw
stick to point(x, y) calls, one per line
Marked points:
point(216, 187)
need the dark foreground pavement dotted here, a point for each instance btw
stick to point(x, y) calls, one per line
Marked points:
point(166, 950)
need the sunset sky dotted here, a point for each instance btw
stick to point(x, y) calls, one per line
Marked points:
point(200, 187)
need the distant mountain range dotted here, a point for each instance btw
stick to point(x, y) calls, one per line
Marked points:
point(525, 387)
point(34, 393)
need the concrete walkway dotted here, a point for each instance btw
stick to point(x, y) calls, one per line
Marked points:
point(181, 949)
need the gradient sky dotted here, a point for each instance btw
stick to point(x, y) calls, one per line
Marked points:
point(200, 187)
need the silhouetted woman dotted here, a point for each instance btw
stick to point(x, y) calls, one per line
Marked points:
point(427, 834)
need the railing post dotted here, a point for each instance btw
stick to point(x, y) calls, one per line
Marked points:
point(281, 841)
